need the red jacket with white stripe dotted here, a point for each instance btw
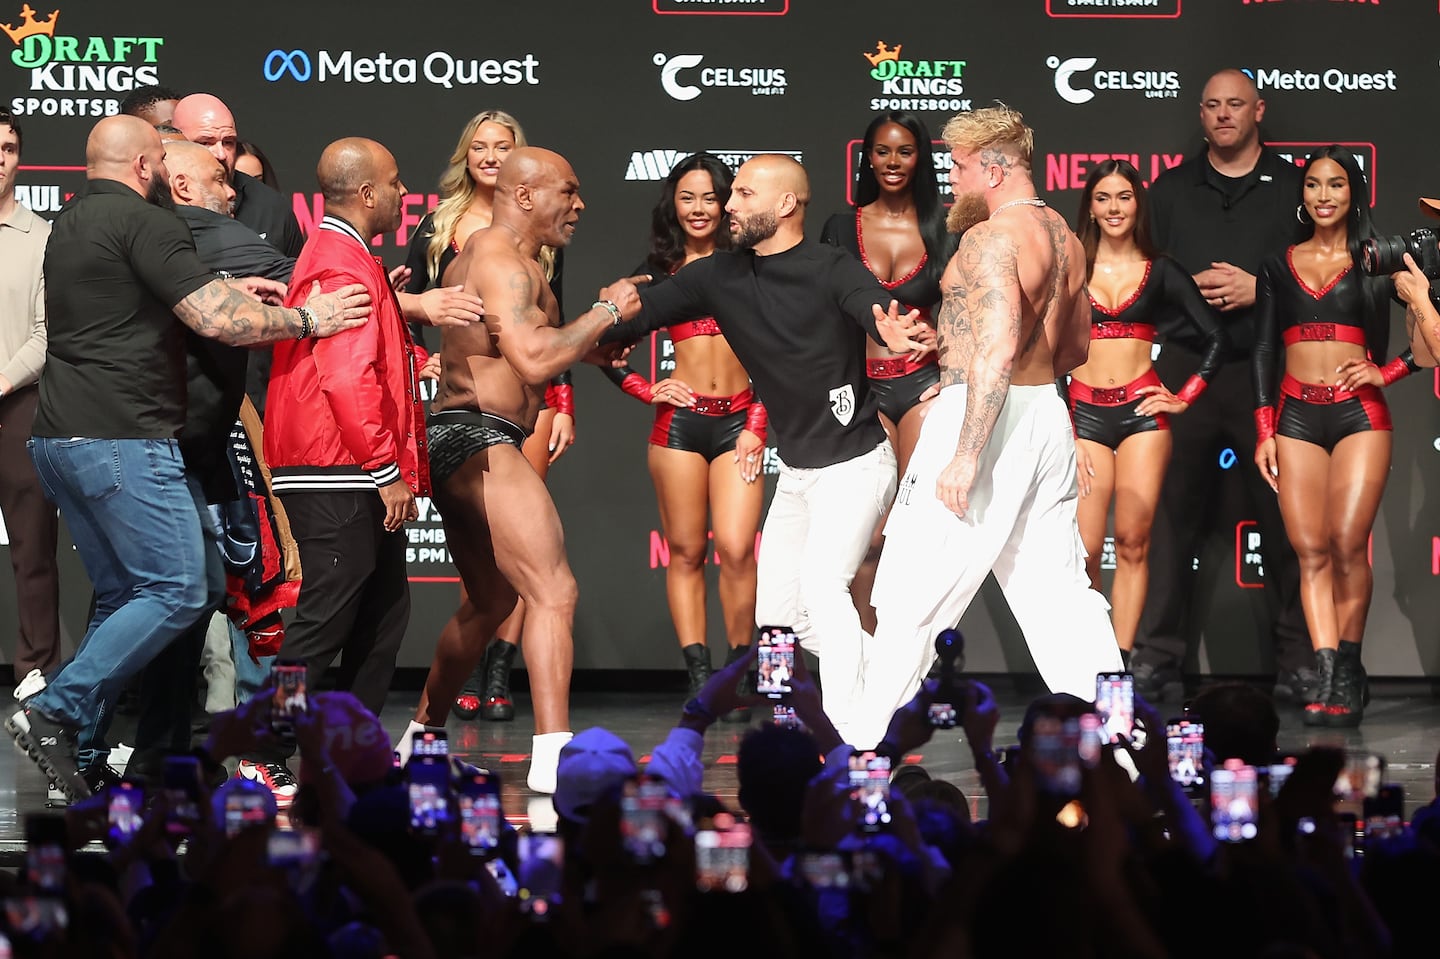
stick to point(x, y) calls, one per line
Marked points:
point(344, 413)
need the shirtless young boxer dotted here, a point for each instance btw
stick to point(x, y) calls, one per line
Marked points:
point(500, 523)
point(991, 484)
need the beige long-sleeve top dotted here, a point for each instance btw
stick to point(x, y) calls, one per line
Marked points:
point(22, 296)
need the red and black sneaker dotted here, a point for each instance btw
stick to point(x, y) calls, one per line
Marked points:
point(275, 777)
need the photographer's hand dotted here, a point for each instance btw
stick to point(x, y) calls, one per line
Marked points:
point(1421, 319)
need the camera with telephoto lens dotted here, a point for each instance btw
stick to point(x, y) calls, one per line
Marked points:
point(1384, 255)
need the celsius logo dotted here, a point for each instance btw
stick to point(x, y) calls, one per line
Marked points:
point(907, 84)
point(1072, 88)
point(761, 81)
point(656, 164)
point(439, 68)
point(1336, 81)
point(69, 64)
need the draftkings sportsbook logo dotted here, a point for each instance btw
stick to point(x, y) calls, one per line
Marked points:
point(907, 84)
point(61, 63)
point(656, 165)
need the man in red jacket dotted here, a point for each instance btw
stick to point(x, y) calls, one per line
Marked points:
point(345, 437)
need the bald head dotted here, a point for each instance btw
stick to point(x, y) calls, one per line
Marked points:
point(206, 120)
point(128, 150)
point(1231, 112)
point(361, 183)
point(767, 204)
point(197, 178)
point(531, 166)
point(537, 196)
point(784, 173)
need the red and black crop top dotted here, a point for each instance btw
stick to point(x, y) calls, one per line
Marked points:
point(917, 290)
point(1289, 311)
point(1166, 302)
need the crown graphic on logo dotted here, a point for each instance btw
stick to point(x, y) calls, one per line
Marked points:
point(29, 26)
point(883, 53)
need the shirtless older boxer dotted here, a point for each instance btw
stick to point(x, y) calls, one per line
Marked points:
point(500, 523)
point(992, 482)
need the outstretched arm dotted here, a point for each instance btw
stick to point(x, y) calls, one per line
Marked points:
point(536, 350)
point(988, 329)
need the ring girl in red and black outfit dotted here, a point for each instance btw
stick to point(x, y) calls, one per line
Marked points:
point(1117, 402)
point(708, 443)
point(897, 229)
point(467, 202)
point(1323, 443)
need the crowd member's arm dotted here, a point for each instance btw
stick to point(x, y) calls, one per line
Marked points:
point(1180, 292)
point(442, 306)
point(677, 759)
point(1107, 851)
point(981, 717)
point(983, 313)
point(1422, 320)
point(1265, 375)
point(1167, 796)
point(25, 366)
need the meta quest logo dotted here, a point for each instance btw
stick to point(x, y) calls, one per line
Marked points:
point(88, 68)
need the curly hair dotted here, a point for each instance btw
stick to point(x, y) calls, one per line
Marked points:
point(991, 128)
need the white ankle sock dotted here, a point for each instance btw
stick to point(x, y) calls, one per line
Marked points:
point(402, 746)
point(545, 760)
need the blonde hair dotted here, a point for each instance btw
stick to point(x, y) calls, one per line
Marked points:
point(457, 191)
point(991, 128)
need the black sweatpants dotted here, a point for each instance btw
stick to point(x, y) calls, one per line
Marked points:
point(1223, 415)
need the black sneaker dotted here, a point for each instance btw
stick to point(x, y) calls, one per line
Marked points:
point(52, 746)
point(1299, 687)
point(1158, 684)
point(98, 776)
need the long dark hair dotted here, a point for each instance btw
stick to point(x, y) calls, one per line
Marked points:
point(667, 237)
point(929, 211)
point(1358, 228)
point(1089, 231)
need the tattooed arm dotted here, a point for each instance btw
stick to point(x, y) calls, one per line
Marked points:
point(512, 289)
point(987, 329)
point(222, 310)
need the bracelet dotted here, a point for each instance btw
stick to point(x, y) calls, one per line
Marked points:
point(307, 323)
point(614, 311)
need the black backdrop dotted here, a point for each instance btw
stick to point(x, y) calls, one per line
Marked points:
point(626, 87)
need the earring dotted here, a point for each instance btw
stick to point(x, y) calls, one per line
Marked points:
point(1301, 215)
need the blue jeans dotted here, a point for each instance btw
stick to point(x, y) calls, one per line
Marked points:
point(250, 677)
point(135, 521)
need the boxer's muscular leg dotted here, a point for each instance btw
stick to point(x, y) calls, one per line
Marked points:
point(529, 549)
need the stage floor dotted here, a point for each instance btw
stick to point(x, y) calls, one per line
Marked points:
point(1401, 728)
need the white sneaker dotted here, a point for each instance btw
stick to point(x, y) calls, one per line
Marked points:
point(33, 683)
point(275, 777)
point(545, 760)
point(120, 756)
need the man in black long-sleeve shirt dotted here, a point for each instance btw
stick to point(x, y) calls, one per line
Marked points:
point(1220, 213)
point(796, 313)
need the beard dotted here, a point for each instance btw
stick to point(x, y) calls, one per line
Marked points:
point(968, 210)
point(216, 203)
point(755, 228)
point(158, 193)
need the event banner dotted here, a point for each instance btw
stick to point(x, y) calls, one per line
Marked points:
point(627, 88)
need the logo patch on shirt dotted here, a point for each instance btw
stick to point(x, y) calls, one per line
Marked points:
point(842, 403)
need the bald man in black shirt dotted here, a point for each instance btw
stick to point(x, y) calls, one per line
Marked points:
point(796, 313)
